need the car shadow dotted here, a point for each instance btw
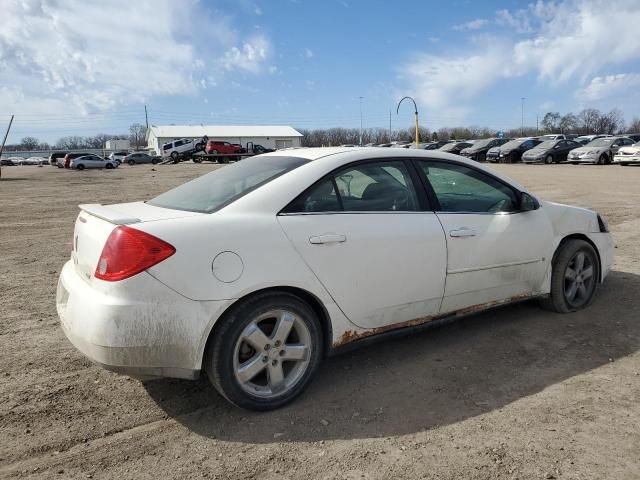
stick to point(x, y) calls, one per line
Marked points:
point(437, 377)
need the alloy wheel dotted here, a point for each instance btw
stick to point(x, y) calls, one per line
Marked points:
point(579, 279)
point(272, 354)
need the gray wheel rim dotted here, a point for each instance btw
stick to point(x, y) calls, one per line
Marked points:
point(579, 279)
point(272, 354)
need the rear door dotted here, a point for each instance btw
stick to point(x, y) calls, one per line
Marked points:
point(495, 252)
point(364, 233)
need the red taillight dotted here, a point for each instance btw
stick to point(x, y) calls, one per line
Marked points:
point(128, 252)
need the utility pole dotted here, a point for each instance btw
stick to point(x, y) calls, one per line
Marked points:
point(389, 126)
point(146, 116)
point(360, 120)
point(537, 124)
point(4, 140)
point(522, 113)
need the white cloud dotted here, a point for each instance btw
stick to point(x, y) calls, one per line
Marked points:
point(78, 56)
point(308, 53)
point(609, 86)
point(476, 24)
point(568, 40)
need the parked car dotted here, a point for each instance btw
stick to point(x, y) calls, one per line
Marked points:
point(629, 155)
point(65, 162)
point(478, 151)
point(551, 151)
point(92, 161)
point(511, 152)
point(184, 146)
point(219, 147)
point(8, 162)
point(53, 158)
point(633, 136)
point(140, 157)
point(432, 145)
point(455, 147)
point(32, 161)
point(118, 156)
point(257, 148)
point(584, 139)
point(167, 287)
point(599, 151)
point(553, 136)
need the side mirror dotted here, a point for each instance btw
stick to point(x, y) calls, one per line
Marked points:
point(528, 203)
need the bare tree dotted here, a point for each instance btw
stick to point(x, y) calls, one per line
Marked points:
point(568, 123)
point(634, 126)
point(551, 121)
point(29, 143)
point(137, 134)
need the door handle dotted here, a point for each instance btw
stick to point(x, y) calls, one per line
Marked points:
point(462, 232)
point(328, 238)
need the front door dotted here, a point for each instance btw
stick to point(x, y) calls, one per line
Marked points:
point(495, 251)
point(363, 234)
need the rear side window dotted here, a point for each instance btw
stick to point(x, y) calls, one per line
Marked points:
point(368, 187)
point(223, 186)
point(462, 189)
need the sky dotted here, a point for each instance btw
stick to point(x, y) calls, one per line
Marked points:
point(82, 67)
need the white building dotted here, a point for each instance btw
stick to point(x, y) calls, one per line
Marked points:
point(118, 145)
point(269, 136)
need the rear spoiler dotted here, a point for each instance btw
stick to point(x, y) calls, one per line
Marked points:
point(109, 214)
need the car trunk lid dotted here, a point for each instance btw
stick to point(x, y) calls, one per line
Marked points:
point(95, 223)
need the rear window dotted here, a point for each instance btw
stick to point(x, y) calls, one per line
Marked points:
point(221, 187)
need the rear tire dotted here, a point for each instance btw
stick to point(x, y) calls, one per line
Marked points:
point(80, 167)
point(247, 340)
point(109, 166)
point(174, 156)
point(131, 162)
point(154, 161)
point(574, 277)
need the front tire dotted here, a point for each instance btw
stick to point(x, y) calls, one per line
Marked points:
point(548, 160)
point(265, 351)
point(131, 162)
point(80, 167)
point(574, 277)
point(174, 156)
point(602, 159)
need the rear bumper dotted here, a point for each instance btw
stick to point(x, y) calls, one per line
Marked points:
point(140, 327)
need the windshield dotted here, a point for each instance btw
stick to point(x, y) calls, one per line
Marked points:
point(513, 143)
point(450, 146)
point(546, 145)
point(601, 142)
point(482, 143)
point(223, 186)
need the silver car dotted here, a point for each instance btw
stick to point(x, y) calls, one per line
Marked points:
point(92, 161)
point(600, 150)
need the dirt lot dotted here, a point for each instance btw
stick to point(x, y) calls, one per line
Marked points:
point(513, 393)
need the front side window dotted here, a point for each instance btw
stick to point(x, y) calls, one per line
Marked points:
point(368, 187)
point(463, 189)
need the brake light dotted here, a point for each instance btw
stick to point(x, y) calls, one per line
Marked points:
point(128, 252)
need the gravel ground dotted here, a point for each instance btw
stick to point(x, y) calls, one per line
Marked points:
point(513, 393)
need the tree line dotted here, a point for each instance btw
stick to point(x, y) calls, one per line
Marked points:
point(136, 136)
point(586, 121)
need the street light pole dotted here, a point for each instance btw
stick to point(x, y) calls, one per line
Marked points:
point(360, 120)
point(522, 113)
point(416, 115)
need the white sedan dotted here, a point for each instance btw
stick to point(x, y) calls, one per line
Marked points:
point(256, 271)
point(93, 161)
point(628, 155)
